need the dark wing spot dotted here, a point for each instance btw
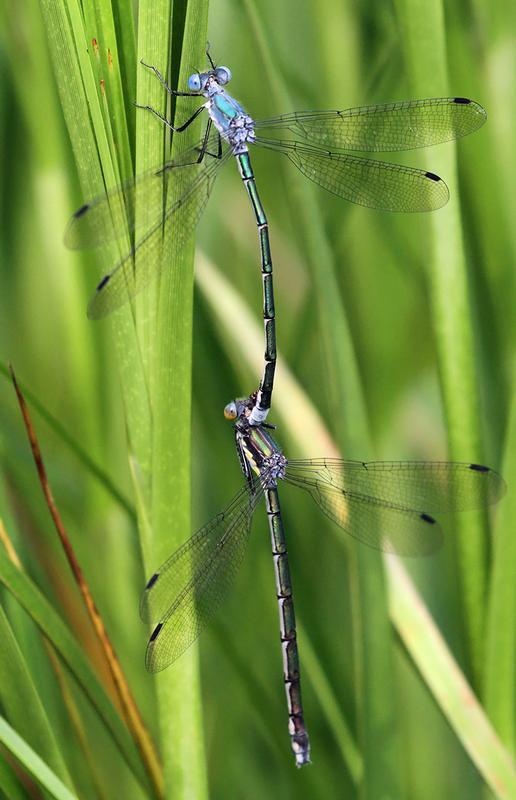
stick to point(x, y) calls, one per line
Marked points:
point(462, 101)
point(82, 210)
point(479, 468)
point(152, 580)
point(155, 632)
point(427, 518)
point(432, 176)
point(103, 282)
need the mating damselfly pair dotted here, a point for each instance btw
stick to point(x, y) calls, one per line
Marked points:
point(387, 505)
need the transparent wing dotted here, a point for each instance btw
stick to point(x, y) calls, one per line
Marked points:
point(184, 594)
point(385, 504)
point(376, 184)
point(170, 202)
point(112, 215)
point(388, 127)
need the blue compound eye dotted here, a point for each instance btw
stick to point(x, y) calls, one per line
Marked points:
point(223, 75)
point(194, 82)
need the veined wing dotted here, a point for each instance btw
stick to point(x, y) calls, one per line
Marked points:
point(391, 126)
point(376, 184)
point(180, 193)
point(184, 594)
point(111, 216)
point(385, 504)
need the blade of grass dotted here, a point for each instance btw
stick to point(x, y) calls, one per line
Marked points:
point(126, 699)
point(9, 783)
point(34, 765)
point(93, 146)
point(103, 28)
point(448, 684)
point(499, 688)
point(17, 694)
point(125, 35)
point(306, 430)
point(44, 616)
point(54, 283)
point(68, 698)
point(76, 722)
point(134, 345)
point(330, 705)
point(424, 43)
point(166, 333)
point(75, 447)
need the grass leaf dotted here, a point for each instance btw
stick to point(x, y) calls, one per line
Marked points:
point(424, 42)
point(57, 633)
point(36, 767)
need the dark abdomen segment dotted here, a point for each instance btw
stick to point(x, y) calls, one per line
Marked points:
point(291, 675)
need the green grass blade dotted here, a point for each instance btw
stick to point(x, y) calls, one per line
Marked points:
point(9, 784)
point(166, 322)
point(58, 634)
point(32, 762)
point(448, 684)
point(424, 42)
point(87, 462)
point(17, 694)
point(84, 103)
point(154, 356)
point(499, 688)
point(329, 703)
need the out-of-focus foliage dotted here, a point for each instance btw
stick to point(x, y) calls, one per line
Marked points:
point(398, 329)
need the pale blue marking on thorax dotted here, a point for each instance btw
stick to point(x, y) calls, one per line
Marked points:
point(231, 120)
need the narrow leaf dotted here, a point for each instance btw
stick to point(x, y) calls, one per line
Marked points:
point(39, 770)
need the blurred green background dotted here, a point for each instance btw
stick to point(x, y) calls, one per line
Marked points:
point(399, 331)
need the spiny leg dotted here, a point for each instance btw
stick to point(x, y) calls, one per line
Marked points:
point(218, 154)
point(163, 82)
point(203, 150)
point(160, 116)
point(180, 128)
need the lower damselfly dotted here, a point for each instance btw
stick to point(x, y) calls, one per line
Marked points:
point(387, 505)
point(159, 210)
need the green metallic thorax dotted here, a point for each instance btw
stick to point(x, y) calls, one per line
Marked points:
point(257, 445)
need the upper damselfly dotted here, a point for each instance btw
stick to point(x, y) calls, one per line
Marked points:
point(157, 211)
point(388, 505)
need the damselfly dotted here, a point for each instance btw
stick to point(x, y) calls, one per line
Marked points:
point(385, 504)
point(179, 202)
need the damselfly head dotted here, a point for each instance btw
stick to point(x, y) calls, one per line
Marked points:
point(197, 82)
point(222, 75)
point(201, 81)
point(230, 412)
point(237, 409)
